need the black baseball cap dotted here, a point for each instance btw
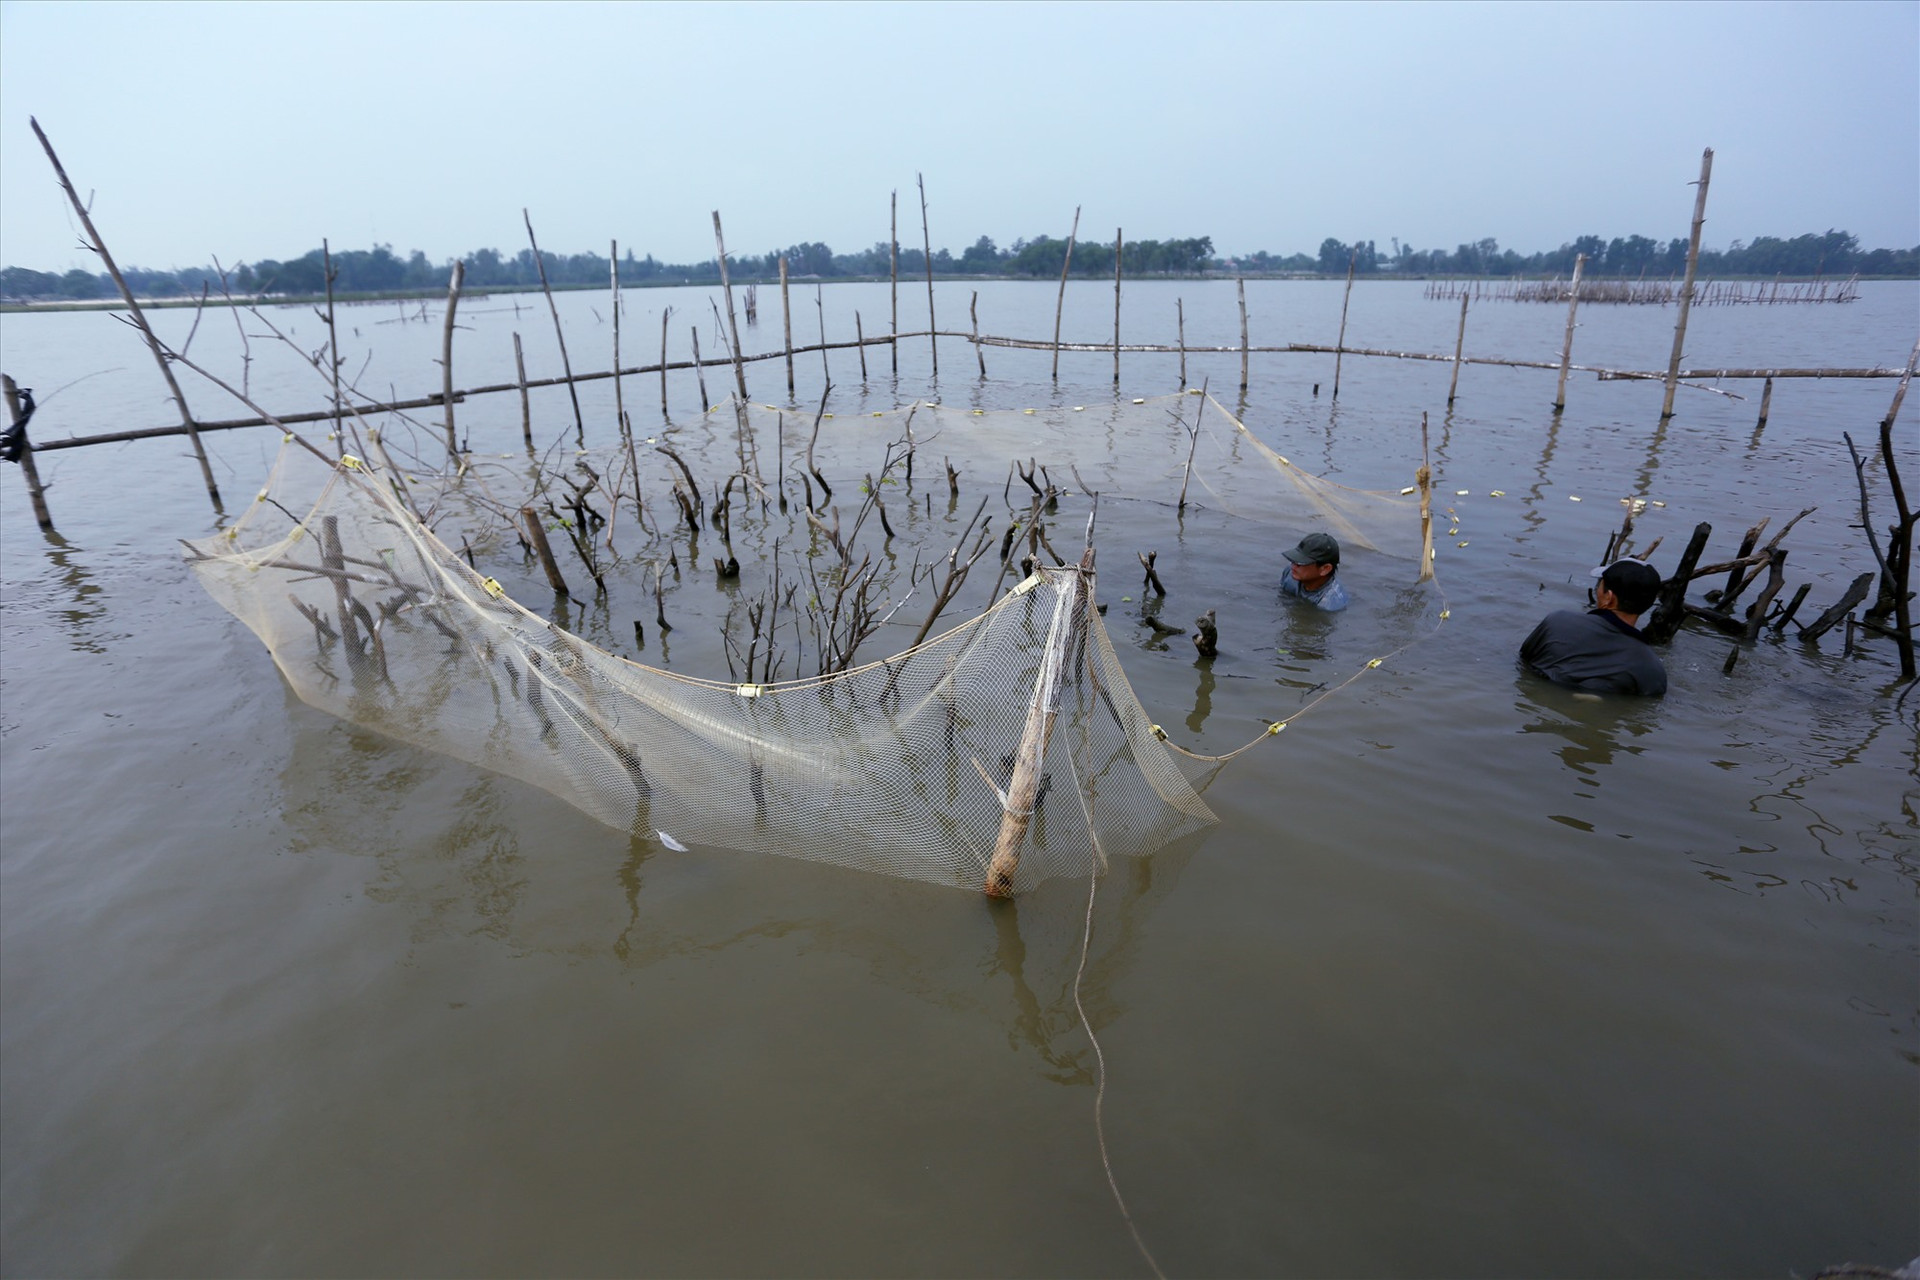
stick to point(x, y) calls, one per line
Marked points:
point(1636, 582)
point(1315, 548)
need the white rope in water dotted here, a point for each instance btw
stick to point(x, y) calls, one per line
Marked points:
point(1100, 1090)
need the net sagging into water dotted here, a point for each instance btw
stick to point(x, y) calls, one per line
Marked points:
point(906, 766)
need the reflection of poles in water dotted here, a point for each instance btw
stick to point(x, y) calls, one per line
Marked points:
point(1530, 508)
point(1202, 698)
point(639, 849)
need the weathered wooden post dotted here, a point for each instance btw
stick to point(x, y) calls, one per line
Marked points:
point(537, 534)
point(1024, 786)
point(893, 279)
point(860, 345)
point(926, 241)
point(1766, 404)
point(1566, 348)
point(786, 324)
point(1246, 347)
point(973, 313)
point(18, 416)
point(333, 342)
point(1671, 609)
point(665, 313)
point(1180, 315)
point(1424, 477)
point(1118, 243)
point(1061, 304)
point(733, 325)
point(619, 404)
point(700, 370)
point(99, 246)
point(454, 280)
point(1686, 286)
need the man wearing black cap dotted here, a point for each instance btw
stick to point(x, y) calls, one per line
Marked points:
point(1315, 564)
point(1601, 650)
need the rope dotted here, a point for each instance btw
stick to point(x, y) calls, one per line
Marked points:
point(1100, 1090)
point(1278, 726)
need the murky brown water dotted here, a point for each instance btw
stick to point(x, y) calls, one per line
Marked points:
point(1472, 978)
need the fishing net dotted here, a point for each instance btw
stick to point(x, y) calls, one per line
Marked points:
point(1009, 749)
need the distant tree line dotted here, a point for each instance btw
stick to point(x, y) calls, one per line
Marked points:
point(380, 270)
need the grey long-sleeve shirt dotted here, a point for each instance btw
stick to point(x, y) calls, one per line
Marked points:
point(1594, 651)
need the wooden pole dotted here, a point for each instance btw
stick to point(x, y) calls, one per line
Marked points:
point(926, 241)
point(333, 343)
point(820, 310)
point(579, 424)
point(1425, 478)
point(526, 406)
point(1180, 314)
point(860, 345)
point(537, 534)
point(700, 371)
point(1118, 243)
point(1340, 343)
point(1245, 347)
point(18, 417)
point(99, 246)
point(619, 404)
point(1673, 592)
point(1459, 345)
point(664, 314)
point(733, 325)
point(1061, 305)
point(1686, 287)
point(893, 280)
point(1766, 404)
point(446, 354)
point(973, 311)
point(1024, 786)
point(1566, 348)
point(786, 325)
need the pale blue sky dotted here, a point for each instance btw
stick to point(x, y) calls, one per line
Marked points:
point(252, 130)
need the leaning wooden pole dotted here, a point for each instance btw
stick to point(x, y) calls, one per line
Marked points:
point(1119, 242)
point(665, 314)
point(973, 313)
point(786, 325)
point(1061, 305)
point(619, 404)
point(454, 280)
point(1686, 287)
point(99, 246)
point(1180, 315)
point(1024, 787)
point(1566, 348)
point(733, 325)
point(926, 241)
point(566, 365)
point(333, 342)
point(1340, 343)
point(1459, 345)
point(1246, 348)
point(17, 416)
point(526, 405)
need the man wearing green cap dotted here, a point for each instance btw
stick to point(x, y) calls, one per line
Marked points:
point(1314, 573)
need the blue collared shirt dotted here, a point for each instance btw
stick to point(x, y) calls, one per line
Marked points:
point(1332, 597)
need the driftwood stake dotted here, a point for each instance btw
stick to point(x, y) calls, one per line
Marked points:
point(619, 404)
point(665, 312)
point(537, 534)
point(1119, 243)
point(1832, 617)
point(99, 246)
point(1060, 305)
point(1424, 477)
point(860, 345)
point(1766, 404)
point(333, 340)
point(893, 279)
point(1670, 611)
point(1686, 287)
point(1566, 348)
point(973, 312)
point(454, 281)
point(579, 424)
point(1245, 346)
point(17, 416)
point(1180, 315)
point(786, 325)
point(700, 371)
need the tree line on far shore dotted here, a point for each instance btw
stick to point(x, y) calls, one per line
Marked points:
point(381, 271)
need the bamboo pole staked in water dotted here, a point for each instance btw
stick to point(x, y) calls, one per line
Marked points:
point(454, 281)
point(619, 404)
point(17, 416)
point(733, 325)
point(893, 279)
point(860, 345)
point(1118, 243)
point(1459, 345)
point(926, 240)
point(537, 534)
point(1180, 314)
point(700, 370)
point(1023, 788)
point(665, 313)
point(1061, 305)
point(1340, 343)
point(526, 406)
point(579, 424)
point(786, 325)
point(1246, 347)
point(1686, 287)
point(1566, 348)
point(99, 246)
point(1766, 404)
point(820, 310)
